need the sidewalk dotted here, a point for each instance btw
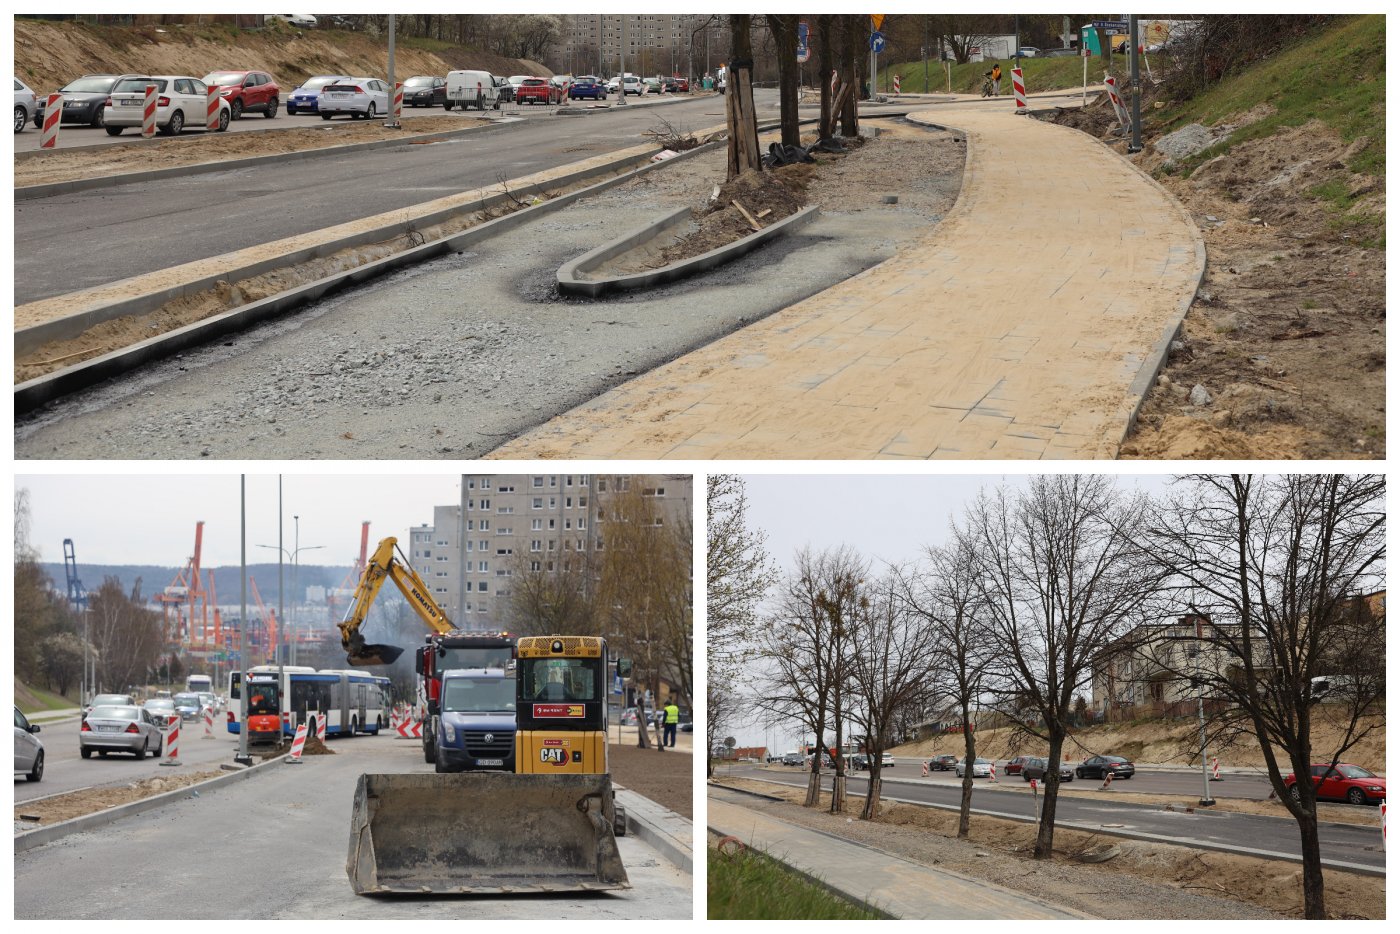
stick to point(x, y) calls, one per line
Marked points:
point(896, 886)
point(1027, 324)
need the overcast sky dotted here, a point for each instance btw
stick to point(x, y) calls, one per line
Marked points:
point(135, 519)
point(886, 518)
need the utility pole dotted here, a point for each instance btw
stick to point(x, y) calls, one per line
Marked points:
point(1135, 79)
point(242, 758)
point(391, 121)
point(622, 59)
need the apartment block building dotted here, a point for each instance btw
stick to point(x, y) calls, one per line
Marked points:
point(470, 553)
point(662, 43)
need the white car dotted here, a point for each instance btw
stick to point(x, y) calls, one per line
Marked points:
point(613, 84)
point(29, 752)
point(981, 768)
point(631, 84)
point(358, 97)
point(180, 105)
point(300, 20)
point(25, 102)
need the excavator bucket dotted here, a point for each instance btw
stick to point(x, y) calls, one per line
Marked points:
point(483, 832)
point(362, 656)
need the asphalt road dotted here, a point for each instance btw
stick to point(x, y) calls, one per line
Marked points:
point(274, 847)
point(64, 770)
point(1342, 842)
point(101, 236)
point(1147, 781)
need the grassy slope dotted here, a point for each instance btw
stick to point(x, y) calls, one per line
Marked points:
point(752, 886)
point(34, 700)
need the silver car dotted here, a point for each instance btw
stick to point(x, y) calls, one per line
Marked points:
point(358, 97)
point(25, 104)
point(119, 729)
point(162, 711)
point(109, 700)
point(29, 752)
point(981, 768)
point(187, 705)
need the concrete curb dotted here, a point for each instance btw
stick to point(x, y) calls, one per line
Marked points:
point(1140, 835)
point(665, 831)
point(570, 284)
point(32, 192)
point(34, 838)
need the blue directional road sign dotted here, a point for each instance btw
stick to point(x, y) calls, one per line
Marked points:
point(877, 42)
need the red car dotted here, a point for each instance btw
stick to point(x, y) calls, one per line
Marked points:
point(247, 91)
point(538, 91)
point(1345, 782)
point(1014, 766)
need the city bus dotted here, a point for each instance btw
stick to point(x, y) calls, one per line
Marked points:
point(199, 684)
point(350, 701)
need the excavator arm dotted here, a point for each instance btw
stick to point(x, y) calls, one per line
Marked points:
point(384, 564)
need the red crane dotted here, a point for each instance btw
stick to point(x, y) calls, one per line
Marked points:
point(269, 623)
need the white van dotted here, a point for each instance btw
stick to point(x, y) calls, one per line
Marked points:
point(467, 89)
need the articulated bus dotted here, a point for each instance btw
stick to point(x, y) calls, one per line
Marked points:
point(350, 701)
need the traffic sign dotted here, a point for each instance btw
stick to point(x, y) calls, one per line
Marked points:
point(804, 51)
point(877, 42)
point(1109, 24)
point(876, 19)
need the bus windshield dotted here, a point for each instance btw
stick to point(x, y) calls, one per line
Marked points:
point(263, 698)
point(478, 695)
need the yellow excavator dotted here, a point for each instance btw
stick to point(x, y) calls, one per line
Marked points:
point(550, 826)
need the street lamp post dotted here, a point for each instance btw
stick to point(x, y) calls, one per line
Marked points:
point(295, 557)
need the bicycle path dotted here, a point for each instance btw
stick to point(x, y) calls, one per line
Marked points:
point(888, 883)
point(1028, 324)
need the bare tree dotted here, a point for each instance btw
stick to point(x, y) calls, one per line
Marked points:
point(945, 593)
point(890, 658)
point(1060, 576)
point(1282, 567)
point(125, 636)
point(744, 155)
point(739, 573)
point(553, 594)
point(783, 26)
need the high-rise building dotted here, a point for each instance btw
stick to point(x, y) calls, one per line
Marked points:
point(504, 523)
point(655, 44)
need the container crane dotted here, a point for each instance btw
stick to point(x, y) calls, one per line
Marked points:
point(77, 595)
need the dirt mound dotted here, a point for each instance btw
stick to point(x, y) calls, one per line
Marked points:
point(49, 55)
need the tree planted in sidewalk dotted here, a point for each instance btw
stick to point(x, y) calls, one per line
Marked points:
point(744, 155)
point(1282, 574)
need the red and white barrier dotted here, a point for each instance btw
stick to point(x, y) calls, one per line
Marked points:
point(148, 112)
point(53, 119)
point(172, 745)
point(1215, 769)
point(1018, 85)
point(211, 108)
point(896, 84)
point(397, 109)
point(321, 727)
point(208, 722)
point(1118, 108)
point(298, 742)
point(1107, 779)
point(1382, 823)
point(993, 770)
point(411, 729)
point(925, 770)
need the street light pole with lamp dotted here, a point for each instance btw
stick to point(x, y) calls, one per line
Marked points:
point(295, 557)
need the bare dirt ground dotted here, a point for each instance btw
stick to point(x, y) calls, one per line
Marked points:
point(1155, 742)
point(665, 777)
point(66, 165)
point(91, 800)
point(1287, 334)
point(1143, 880)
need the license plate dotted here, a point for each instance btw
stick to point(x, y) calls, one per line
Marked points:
point(490, 762)
point(108, 729)
point(337, 95)
point(129, 103)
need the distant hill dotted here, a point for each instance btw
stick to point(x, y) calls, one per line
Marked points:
point(155, 578)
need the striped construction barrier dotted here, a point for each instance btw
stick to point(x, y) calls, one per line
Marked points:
point(1382, 823)
point(1119, 109)
point(992, 772)
point(208, 722)
point(321, 727)
point(53, 119)
point(148, 112)
point(896, 84)
point(298, 743)
point(924, 770)
point(1215, 769)
point(1018, 86)
point(172, 745)
point(211, 108)
point(396, 110)
point(1107, 780)
point(410, 729)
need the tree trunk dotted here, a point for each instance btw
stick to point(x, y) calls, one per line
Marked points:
point(784, 29)
point(825, 125)
point(739, 113)
point(871, 811)
point(814, 781)
point(1045, 838)
point(969, 756)
point(850, 75)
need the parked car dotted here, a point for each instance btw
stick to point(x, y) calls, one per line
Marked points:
point(981, 768)
point(162, 709)
point(187, 705)
point(424, 91)
point(304, 100)
point(247, 91)
point(676, 85)
point(1345, 782)
point(25, 103)
point(588, 87)
point(84, 100)
point(29, 752)
point(631, 84)
point(792, 758)
point(120, 729)
point(1098, 766)
point(1014, 766)
point(515, 81)
point(359, 97)
point(886, 760)
point(104, 700)
point(537, 91)
point(299, 20)
point(562, 82)
point(1034, 768)
point(614, 83)
point(942, 763)
point(652, 85)
point(473, 88)
point(181, 106)
point(1029, 51)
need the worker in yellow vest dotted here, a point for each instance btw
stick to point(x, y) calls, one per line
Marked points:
point(673, 718)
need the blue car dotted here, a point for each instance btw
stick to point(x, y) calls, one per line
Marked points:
point(305, 99)
point(588, 87)
point(475, 727)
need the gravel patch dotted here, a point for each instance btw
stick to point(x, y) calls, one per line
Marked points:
point(456, 356)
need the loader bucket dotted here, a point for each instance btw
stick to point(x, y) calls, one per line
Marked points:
point(483, 833)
